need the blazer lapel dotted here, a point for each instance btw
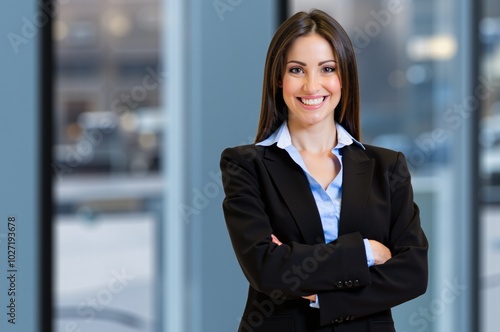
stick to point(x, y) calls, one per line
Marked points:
point(356, 183)
point(293, 186)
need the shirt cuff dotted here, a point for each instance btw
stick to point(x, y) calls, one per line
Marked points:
point(315, 304)
point(370, 260)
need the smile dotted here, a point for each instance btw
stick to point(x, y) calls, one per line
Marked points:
point(311, 102)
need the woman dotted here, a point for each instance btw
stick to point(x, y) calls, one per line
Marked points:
point(324, 228)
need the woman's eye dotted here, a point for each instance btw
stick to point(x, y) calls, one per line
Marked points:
point(296, 70)
point(329, 69)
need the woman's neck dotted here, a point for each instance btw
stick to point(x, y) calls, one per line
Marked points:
point(317, 138)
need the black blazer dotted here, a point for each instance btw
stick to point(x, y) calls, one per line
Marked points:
point(268, 193)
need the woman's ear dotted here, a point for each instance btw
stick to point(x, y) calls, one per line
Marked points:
point(280, 84)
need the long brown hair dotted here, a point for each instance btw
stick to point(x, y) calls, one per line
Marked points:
point(273, 109)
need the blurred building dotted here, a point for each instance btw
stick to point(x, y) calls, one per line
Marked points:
point(149, 92)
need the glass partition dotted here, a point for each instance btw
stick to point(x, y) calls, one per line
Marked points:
point(489, 166)
point(107, 165)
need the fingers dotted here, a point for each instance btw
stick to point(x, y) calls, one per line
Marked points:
point(310, 298)
point(380, 252)
point(275, 240)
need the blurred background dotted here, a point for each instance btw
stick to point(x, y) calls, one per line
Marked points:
point(147, 94)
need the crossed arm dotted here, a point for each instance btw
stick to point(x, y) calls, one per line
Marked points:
point(380, 252)
point(399, 274)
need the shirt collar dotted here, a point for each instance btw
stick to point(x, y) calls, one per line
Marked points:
point(283, 139)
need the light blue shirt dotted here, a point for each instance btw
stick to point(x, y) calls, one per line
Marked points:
point(328, 201)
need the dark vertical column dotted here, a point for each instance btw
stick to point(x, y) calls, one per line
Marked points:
point(475, 199)
point(282, 10)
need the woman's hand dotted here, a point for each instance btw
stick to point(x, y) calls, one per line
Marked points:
point(311, 298)
point(275, 240)
point(380, 252)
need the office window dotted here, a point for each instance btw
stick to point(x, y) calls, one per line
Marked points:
point(107, 165)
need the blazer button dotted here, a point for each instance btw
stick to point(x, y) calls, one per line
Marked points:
point(356, 282)
point(348, 283)
point(340, 284)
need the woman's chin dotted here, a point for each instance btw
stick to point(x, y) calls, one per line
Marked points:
point(311, 120)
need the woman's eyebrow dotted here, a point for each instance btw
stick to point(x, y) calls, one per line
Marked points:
point(304, 64)
point(326, 61)
point(297, 62)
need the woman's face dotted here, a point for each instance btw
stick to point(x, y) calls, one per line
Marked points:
point(311, 85)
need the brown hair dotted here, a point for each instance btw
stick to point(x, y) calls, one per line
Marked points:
point(273, 108)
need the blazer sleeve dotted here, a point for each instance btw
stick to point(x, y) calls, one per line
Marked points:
point(292, 269)
point(401, 278)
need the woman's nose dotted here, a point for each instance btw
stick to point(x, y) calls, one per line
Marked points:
point(311, 84)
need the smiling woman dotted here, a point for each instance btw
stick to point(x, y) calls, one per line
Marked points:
point(311, 90)
point(324, 228)
point(336, 48)
point(311, 86)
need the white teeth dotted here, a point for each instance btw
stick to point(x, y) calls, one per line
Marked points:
point(316, 101)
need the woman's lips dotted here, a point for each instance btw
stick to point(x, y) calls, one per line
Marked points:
point(312, 102)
